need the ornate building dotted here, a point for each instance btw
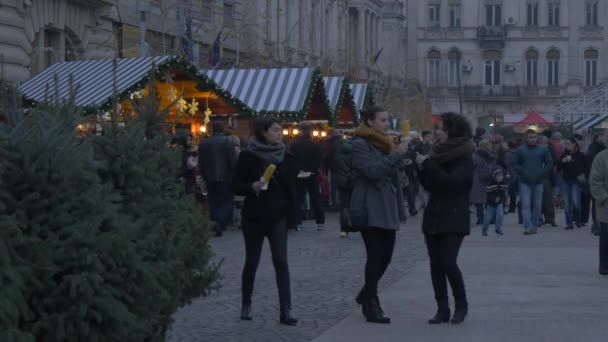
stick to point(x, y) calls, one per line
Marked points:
point(496, 57)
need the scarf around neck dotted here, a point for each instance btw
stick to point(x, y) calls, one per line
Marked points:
point(272, 153)
point(382, 142)
point(452, 149)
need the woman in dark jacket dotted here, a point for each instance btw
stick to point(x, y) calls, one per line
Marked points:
point(377, 193)
point(572, 167)
point(448, 176)
point(267, 210)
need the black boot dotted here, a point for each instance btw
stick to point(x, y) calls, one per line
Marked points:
point(246, 312)
point(460, 312)
point(443, 313)
point(361, 300)
point(374, 313)
point(286, 317)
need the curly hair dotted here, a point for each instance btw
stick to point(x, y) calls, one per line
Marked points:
point(456, 125)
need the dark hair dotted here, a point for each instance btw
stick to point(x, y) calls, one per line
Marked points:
point(305, 128)
point(574, 143)
point(578, 136)
point(456, 125)
point(217, 127)
point(530, 131)
point(548, 133)
point(369, 113)
point(425, 133)
point(261, 126)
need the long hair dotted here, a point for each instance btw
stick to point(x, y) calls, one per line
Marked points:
point(456, 125)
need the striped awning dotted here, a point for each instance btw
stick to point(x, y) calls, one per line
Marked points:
point(359, 91)
point(590, 122)
point(93, 78)
point(333, 87)
point(267, 90)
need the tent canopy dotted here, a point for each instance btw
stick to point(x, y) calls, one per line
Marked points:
point(533, 118)
point(341, 102)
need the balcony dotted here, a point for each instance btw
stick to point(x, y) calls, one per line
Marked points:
point(534, 91)
point(492, 93)
point(492, 37)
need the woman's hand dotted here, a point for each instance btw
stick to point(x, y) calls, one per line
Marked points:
point(402, 147)
point(420, 159)
point(257, 186)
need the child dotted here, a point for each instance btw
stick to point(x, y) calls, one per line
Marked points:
point(496, 198)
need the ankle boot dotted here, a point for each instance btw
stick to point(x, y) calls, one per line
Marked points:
point(286, 317)
point(460, 312)
point(361, 300)
point(374, 314)
point(442, 315)
point(379, 306)
point(246, 312)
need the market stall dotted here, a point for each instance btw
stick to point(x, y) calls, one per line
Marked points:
point(191, 97)
point(343, 110)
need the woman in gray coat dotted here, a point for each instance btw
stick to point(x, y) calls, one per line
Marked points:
point(376, 191)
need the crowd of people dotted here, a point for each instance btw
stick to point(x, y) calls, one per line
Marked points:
point(377, 177)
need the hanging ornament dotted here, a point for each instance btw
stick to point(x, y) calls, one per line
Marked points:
point(193, 107)
point(182, 106)
point(172, 94)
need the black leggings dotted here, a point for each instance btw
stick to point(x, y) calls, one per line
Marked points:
point(379, 244)
point(443, 253)
point(254, 239)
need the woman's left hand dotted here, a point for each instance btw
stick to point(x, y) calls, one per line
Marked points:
point(420, 159)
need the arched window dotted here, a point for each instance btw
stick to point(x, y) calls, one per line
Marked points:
point(591, 58)
point(454, 57)
point(553, 57)
point(433, 60)
point(532, 68)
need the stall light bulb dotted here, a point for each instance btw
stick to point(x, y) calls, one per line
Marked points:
point(315, 133)
point(203, 129)
point(296, 132)
point(323, 134)
point(285, 132)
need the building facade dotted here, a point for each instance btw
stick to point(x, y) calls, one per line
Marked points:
point(496, 57)
point(363, 39)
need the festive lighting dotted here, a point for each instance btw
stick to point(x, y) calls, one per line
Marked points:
point(323, 134)
point(285, 132)
point(296, 131)
point(203, 129)
point(315, 133)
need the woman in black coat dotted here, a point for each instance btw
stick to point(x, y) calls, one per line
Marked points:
point(267, 211)
point(573, 168)
point(447, 174)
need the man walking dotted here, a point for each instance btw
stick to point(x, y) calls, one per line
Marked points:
point(598, 183)
point(308, 156)
point(548, 206)
point(217, 160)
point(595, 148)
point(533, 163)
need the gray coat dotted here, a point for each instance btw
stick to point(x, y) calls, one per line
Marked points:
point(377, 186)
point(478, 191)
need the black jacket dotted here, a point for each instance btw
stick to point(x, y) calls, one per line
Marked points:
point(595, 148)
point(496, 193)
point(571, 170)
point(449, 185)
point(217, 158)
point(278, 202)
point(308, 154)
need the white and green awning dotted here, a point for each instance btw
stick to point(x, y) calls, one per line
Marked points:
point(590, 121)
point(283, 92)
point(339, 94)
point(359, 91)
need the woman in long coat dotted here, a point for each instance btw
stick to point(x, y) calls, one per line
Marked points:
point(377, 193)
point(484, 162)
point(448, 176)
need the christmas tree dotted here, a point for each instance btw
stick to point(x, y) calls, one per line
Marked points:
point(97, 243)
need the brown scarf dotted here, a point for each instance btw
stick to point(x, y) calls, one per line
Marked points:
point(452, 149)
point(382, 142)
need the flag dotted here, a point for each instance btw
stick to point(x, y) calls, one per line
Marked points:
point(215, 55)
point(375, 58)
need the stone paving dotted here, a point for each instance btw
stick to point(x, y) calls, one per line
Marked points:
point(326, 273)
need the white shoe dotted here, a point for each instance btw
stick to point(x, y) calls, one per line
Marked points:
point(343, 234)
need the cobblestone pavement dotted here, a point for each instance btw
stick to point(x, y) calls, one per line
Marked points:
point(326, 273)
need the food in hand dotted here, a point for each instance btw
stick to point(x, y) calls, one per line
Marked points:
point(269, 172)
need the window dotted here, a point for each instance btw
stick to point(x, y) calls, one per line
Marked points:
point(553, 57)
point(591, 57)
point(434, 58)
point(532, 14)
point(553, 14)
point(228, 15)
point(493, 15)
point(455, 16)
point(532, 68)
point(434, 15)
point(492, 71)
point(454, 58)
point(591, 13)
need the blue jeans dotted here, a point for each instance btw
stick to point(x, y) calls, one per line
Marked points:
point(495, 213)
point(531, 197)
point(221, 203)
point(572, 201)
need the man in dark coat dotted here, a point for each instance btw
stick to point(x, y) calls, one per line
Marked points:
point(308, 156)
point(216, 162)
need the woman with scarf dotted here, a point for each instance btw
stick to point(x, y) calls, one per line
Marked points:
point(267, 210)
point(572, 168)
point(377, 193)
point(447, 174)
